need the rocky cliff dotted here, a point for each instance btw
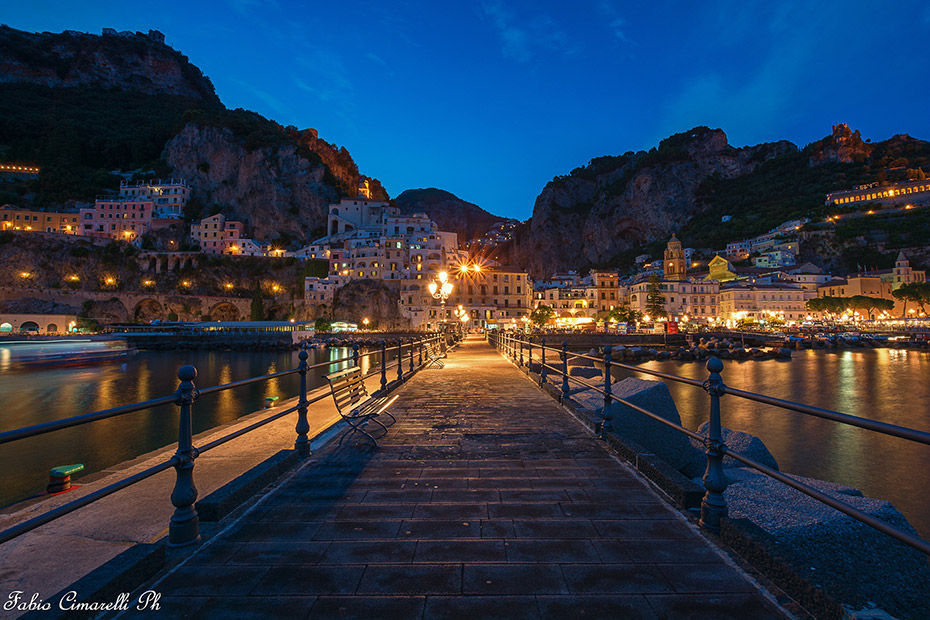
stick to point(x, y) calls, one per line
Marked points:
point(844, 146)
point(282, 189)
point(616, 203)
point(81, 105)
point(129, 61)
point(450, 212)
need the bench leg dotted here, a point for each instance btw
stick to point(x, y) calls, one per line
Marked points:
point(388, 414)
point(356, 428)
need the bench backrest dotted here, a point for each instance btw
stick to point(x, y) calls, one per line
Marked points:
point(348, 387)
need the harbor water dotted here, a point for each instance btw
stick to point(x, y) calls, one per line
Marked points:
point(888, 385)
point(32, 396)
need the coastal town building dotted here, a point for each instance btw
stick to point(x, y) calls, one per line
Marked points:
point(371, 239)
point(876, 283)
point(217, 235)
point(608, 291)
point(903, 193)
point(14, 218)
point(319, 290)
point(763, 302)
point(682, 296)
point(138, 208)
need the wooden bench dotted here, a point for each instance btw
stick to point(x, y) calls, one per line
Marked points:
point(434, 354)
point(354, 404)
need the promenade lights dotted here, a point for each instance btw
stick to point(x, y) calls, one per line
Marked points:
point(365, 322)
point(441, 289)
point(25, 274)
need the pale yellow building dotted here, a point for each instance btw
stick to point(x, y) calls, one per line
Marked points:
point(14, 218)
point(763, 302)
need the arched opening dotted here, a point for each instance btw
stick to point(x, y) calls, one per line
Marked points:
point(51, 328)
point(148, 310)
point(224, 311)
point(277, 313)
point(29, 327)
point(5, 328)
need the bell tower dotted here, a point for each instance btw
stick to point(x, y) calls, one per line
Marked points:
point(674, 267)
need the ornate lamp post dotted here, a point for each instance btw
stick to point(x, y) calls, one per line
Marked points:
point(463, 316)
point(441, 289)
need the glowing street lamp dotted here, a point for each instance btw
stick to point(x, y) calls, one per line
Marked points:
point(441, 289)
point(365, 322)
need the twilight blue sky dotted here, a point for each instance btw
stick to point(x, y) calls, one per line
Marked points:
point(491, 99)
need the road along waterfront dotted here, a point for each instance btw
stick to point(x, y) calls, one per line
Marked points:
point(34, 396)
point(888, 385)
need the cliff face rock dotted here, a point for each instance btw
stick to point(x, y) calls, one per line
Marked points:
point(450, 212)
point(843, 145)
point(358, 300)
point(139, 62)
point(615, 203)
point(284, 188)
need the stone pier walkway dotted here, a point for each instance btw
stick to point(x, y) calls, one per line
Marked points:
point(485, 500)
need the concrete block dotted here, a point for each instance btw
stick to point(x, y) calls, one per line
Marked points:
point(741, 443)
point(854, 563)
point(585, 372)
point(668, 444)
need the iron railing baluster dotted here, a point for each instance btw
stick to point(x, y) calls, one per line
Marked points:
point(184, 528)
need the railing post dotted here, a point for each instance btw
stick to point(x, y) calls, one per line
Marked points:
point(564, 368)
point(184, 528)
point(520, 341)
point(542, 368)
point(420, 347)
point(714, 505)
point(411, 355)
point(608, 414)
point(383, 366)
point(529, 348)
point(302, 444)
point(400, 359)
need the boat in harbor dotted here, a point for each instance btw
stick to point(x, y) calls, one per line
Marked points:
point(66, 353)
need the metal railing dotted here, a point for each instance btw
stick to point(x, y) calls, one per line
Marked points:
point(713, 504)
point(184, 526)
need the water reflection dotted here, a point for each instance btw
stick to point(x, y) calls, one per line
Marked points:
point(888, 385)
point(35, 396)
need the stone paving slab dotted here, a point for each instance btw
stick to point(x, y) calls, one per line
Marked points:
point(485, 500)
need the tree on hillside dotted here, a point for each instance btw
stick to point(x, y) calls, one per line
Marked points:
point(655, 301)
point(257, 309)
point(541, 315)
